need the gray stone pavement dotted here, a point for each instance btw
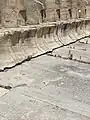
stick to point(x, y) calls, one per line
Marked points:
point(47, 88)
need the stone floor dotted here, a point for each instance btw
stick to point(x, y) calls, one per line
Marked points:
point(50, 87)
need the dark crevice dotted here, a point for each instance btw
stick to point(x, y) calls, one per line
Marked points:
point(6, 87)
point(70, 12)
point(20, 85)
point(71, 42)
point(23, 14)
point(85, 11)
point(20, 63)
point(43, 14)
point(58, 13)
point(31, 57)
point(69, 58)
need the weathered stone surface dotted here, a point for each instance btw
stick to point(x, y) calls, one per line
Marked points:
point(21, 12)
point(44, 60)
point(47, 88)
point(24, 43)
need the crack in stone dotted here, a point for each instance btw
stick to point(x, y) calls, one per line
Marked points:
point(69, 58)
point(10, 87)
point(46, 53)
point(6, 87)
point(25, 60)
point(20, 85)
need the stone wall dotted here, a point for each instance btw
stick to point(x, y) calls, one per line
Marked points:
point(11, 13)
point(16, 13)
point(18, 45)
